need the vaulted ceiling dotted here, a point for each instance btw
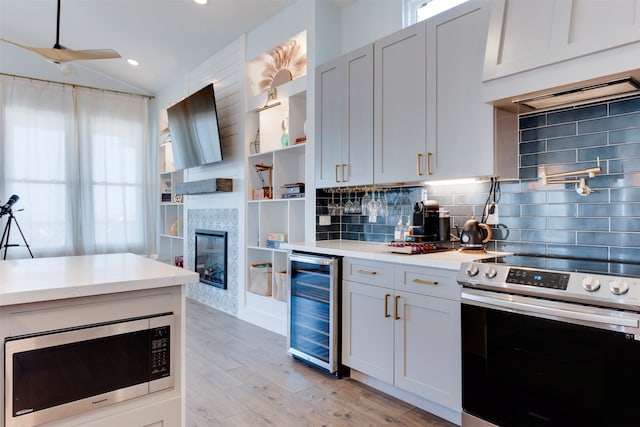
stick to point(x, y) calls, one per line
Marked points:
point(168, 37)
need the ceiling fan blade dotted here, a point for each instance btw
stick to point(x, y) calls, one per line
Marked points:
point(77, 55)
point(62, 55)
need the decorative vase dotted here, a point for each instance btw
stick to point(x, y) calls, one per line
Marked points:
point(285, 133)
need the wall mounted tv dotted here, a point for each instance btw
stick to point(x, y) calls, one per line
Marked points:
point(193, 124)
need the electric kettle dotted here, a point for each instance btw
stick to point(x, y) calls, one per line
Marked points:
point(474, 234)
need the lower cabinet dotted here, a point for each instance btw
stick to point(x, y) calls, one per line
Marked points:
point(427, 348)
point(408, 339)
point(367, 329)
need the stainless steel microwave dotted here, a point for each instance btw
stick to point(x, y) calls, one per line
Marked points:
point(57, 374)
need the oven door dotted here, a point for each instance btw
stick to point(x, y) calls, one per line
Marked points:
point(532, 362)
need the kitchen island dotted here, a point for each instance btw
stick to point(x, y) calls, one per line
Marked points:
point(67, 293)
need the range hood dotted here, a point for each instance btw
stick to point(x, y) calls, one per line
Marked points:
point(593, 92)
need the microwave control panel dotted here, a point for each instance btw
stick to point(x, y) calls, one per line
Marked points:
point(160, 350)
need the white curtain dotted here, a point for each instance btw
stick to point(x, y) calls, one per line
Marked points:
point(79, 159)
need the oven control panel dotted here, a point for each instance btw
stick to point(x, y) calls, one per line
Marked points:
point(543, 279)
point(585, 287)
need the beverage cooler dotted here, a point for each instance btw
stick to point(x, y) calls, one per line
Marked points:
point(314, 311)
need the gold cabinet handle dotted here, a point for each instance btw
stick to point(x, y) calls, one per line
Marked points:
point(386, 305)
point(425, 282)
point(343, 165)
point(418, 164)
point(372, 273)
point(429, 163)
point(337, 166)
point(396, 307)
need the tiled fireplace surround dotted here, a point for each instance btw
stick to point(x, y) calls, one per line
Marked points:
point(222, 220)
point(536, 219)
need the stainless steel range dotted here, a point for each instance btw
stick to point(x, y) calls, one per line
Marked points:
point(550, 342)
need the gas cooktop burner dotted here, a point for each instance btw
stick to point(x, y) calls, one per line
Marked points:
point(606, 283)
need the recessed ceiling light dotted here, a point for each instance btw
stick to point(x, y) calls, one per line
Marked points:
point(200, 1)
point(133, 62)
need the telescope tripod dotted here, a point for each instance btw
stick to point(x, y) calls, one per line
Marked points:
point(4, 242)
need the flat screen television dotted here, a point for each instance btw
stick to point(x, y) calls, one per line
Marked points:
point(193, 124)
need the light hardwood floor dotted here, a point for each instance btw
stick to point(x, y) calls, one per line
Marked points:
point(240, 375)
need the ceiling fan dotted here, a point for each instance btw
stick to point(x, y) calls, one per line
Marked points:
point(59, 54)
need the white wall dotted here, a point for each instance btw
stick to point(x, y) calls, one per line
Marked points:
point(226, 69)
point(364, 21)
point(332, 29)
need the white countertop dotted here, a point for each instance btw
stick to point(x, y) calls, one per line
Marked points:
point(449, 260)
point(44, 279)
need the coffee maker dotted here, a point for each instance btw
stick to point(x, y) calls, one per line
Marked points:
point(426, 218)
point(430, 224)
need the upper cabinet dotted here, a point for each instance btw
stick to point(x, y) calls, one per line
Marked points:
point(430, 120)
point(527, 34)
point(344, 120)
point(459, 124)
point(400, 107)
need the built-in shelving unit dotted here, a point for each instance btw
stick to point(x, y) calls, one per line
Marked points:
point(171, 224)
point(278, 168)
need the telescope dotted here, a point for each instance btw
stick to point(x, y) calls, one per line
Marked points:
point(6, 208)
point(4, 241)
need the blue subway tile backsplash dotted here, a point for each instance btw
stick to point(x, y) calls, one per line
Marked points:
point(572, 115)
point(533, 218)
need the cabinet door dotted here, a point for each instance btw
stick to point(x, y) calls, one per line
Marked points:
point(329, 124)
point(459, 124)
point(367, 329)
point(427, 341)
point(400, 106)
point(358, 132)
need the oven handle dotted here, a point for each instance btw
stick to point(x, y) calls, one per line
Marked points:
point(561, 313)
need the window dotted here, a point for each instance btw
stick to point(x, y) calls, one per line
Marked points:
point(79, 161)
point(419, 10)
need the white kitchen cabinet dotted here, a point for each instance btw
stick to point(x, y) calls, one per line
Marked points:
point(368, 329)
point(528, 34)
point(400, 103)
point(427, 347)
point(404, 329)
point(459, 122)
point(344, 120)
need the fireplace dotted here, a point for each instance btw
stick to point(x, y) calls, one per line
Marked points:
point(211, 257)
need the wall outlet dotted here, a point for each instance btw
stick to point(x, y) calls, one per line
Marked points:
point(325, 220)
point(493, 218)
